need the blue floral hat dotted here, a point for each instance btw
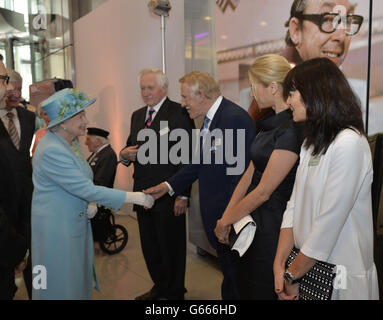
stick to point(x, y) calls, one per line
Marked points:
point(64, 104)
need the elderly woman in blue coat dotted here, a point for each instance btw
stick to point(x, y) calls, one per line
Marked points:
point(62, 244)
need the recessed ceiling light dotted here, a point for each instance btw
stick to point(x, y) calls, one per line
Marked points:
point(207, 18)
point(224, 37)
point(263, 23)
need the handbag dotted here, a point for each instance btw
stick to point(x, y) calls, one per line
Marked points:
point(317, 283)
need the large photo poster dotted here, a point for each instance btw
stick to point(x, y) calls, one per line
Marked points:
point(247, 29)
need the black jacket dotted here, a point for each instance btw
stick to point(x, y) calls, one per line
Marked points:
point(149, 175)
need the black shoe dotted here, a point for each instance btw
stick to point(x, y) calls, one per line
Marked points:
point(150, 295)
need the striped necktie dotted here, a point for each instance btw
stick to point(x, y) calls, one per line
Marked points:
point(14, 135)
point(149, 118)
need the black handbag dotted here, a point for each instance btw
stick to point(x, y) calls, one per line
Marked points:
point(317, 283)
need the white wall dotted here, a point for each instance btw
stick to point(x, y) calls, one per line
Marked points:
point(114, 42)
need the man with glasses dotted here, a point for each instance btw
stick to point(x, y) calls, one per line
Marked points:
point(17, 127)
point(13, 217)
point(320, 28)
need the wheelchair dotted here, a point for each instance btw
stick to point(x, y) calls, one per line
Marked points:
point(112, 237)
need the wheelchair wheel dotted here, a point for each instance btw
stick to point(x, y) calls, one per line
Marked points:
point(116, 240)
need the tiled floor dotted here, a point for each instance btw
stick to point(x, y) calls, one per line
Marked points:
point(124, 276)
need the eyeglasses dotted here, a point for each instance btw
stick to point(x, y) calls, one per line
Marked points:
point(6, 78)
point(328, 22)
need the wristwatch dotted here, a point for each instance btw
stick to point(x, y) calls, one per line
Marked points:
point(289, 278)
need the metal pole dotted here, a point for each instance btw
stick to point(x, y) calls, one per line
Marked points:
point(163, 44)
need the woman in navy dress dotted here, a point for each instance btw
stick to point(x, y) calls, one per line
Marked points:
point(267, 183)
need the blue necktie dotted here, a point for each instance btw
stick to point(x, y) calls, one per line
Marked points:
point(206, 122)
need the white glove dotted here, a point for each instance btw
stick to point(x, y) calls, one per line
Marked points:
point(140, 198)
point(91, 210)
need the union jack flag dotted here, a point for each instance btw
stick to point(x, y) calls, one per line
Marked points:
point(223, 4)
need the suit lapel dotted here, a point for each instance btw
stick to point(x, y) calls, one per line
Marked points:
point(101, 154)
point(161, 115)
point(3, 130)
point(142, 118)
point(23, 124)
point(90, 157)
point(217, 116)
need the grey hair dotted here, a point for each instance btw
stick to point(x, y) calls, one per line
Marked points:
point(103, 140)
point(298, 7)
point(162, 79)
point(14, 76)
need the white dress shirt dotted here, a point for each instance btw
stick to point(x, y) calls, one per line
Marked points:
point(210, 114)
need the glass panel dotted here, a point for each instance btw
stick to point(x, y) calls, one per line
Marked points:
point(200, 49)
point(51, 34)
point(22, 55)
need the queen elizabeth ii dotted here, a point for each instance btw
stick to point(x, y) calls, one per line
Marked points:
point(63, 188)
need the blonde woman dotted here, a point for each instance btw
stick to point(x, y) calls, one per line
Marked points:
point(267, 184)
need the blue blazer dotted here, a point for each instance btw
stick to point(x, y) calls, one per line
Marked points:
point(215, 185)
point(61, 232)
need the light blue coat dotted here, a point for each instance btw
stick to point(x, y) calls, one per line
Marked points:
point(61, 232)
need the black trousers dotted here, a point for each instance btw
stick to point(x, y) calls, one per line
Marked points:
point(7, 284)
point(255, 269)
point(163, 242)
point(228, 260)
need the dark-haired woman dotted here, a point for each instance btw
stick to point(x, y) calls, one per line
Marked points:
point(329, 215)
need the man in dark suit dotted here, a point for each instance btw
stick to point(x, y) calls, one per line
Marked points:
point(14, 222)
point(17, 127)
point(201, 97)
point(103, 159)
point(163, 227)
point(13, 244)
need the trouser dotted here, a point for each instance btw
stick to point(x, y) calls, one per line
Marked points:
point(7, 284)
point(228, 260)
point(163, 242)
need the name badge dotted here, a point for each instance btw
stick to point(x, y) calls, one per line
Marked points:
point(218, 142)
point(164, 131)
point(314, 161)
point(215, 143)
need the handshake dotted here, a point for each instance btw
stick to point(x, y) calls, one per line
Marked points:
point(140, 198)
point(145, 198)
point(148, 196)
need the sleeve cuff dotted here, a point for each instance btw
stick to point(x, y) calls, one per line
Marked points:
point(171, 191)
point(124, 161)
